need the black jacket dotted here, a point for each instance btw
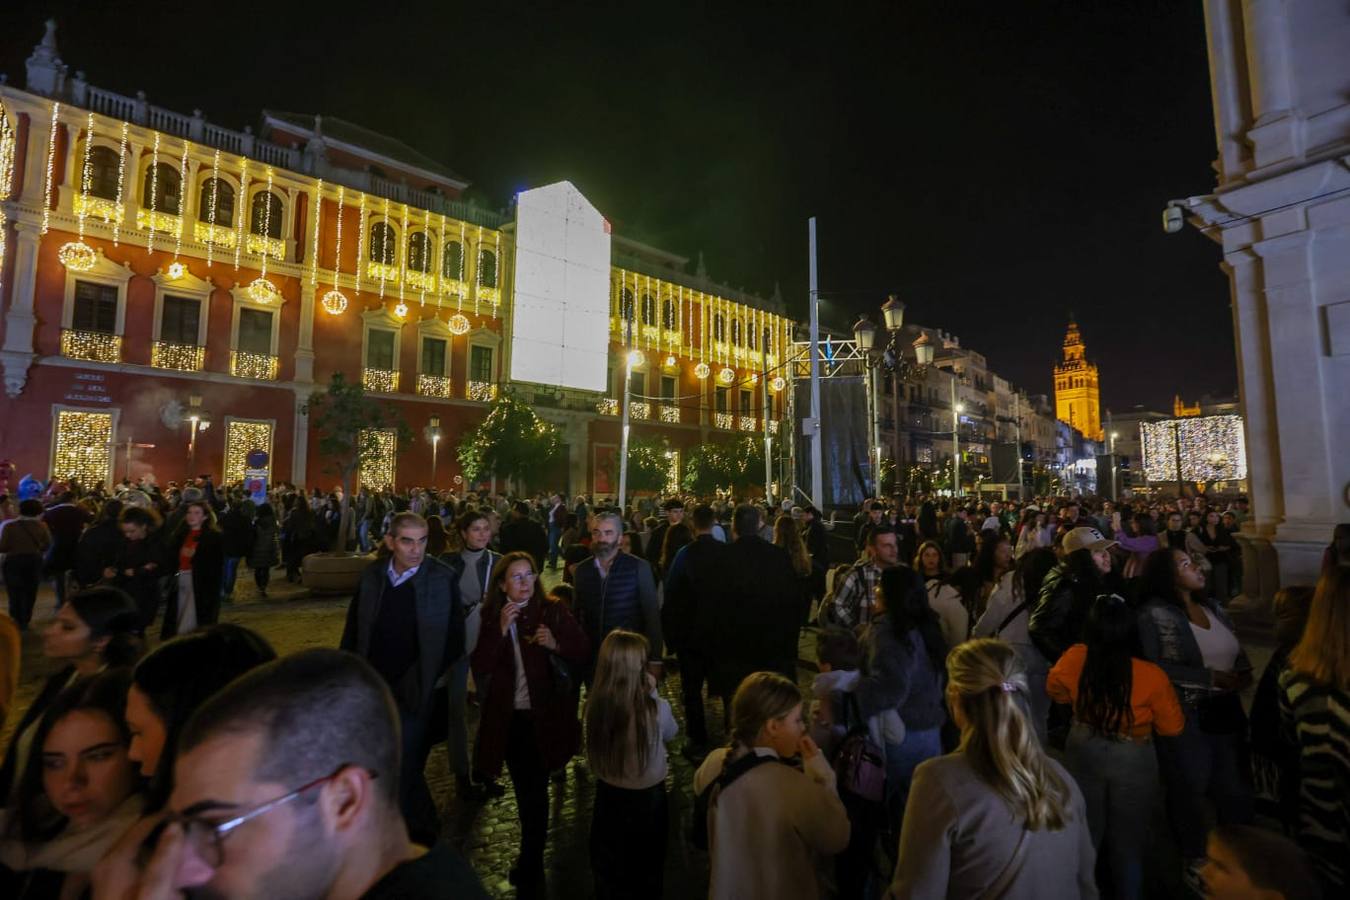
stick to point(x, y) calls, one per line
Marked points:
point(96, 551)
point(1057, 620)
point(238, 533)
point(208, 572)
point(755, 627)
point(693, 593)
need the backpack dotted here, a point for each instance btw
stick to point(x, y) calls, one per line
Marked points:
point(859, 764)
point(731, 771)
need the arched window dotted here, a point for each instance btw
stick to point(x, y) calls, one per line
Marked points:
point(419, 252)
point(487, 268)
point(648, 309)
point(452, 261)
point(168, 189)
point(103, 173)
point(265, 218)
point(668, 315)
point(719, 327)
point(383, 242)
point(626, 303)
point(736, 332)
point(224, 201)
point(768, 339)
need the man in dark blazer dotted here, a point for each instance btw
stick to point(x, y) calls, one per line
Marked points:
point(406, 621)
point(755, 626)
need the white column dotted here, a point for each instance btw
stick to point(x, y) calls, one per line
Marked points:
point(300, 443)
point(35, 158)
point(1277, 133)
point(20, 322)
point(304, 349)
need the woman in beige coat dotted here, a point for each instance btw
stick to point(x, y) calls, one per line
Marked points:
point(768, 819)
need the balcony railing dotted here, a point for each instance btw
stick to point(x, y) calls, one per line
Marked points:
point(482, 391)
point(608, 407)
point(262, 366)
point(639, 409)
point(433, 385)
point(381, 271)
point(98, 208)
point(381, 381)
point(722, 420)
point(217, 235)
point(748, 423)
point(94, 346)
point(489, 294)
point(183, 357)
point(773, 427)
point(670, 414)
point(161, 221)
point(262, 244)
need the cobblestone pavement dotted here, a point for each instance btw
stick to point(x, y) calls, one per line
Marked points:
point(488, 833)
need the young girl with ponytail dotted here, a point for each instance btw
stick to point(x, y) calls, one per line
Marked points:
point(996, 818)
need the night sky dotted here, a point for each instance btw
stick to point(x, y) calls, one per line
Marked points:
point(997, 165)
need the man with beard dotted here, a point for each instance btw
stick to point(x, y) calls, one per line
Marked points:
point(616, 590)
point(304, 751)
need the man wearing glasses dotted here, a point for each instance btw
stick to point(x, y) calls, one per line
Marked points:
point(286, 786)
point(407, 621)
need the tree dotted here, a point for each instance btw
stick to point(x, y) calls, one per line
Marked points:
point(648, 464)
point(736, 464)
point(347, 422)
point(511, 442)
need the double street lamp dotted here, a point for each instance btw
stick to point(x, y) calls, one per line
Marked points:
point(894, 361)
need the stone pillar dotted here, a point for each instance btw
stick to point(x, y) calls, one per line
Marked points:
point(35, 157)
point(304, 349)
point(20, 322)
point(1257, 392)
point(1277, 133)
point(300, 444)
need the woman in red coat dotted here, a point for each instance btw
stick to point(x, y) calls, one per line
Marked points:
point(528, 711)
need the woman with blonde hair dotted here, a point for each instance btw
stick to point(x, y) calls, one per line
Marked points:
point(627, 726)
point(997, 817)
point(1315, 705)
point(766, 818)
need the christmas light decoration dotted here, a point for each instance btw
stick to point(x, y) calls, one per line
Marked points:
point(77, 255)
point(1210, 448)
point(94, 346)
point(211, 209)
point(83, 449)
point(702, 370)
point(458, 324)
point(176, 270)
point(670, 362)
point(182, 194)
point(433, 385)
point(260, 290)
point(154, 196)
point(639, 409)
point(482, 391)
point(383, 381)
point(637, 358)
point(403, 261)
point(377, 470)
point(8, 144)
point(607, 407)
point(51, 164)
point(727, 375)
point(121, 181)
point(183, 357)
point(670, 415)
point(314, 249)
point(723, 420)
point(241, 211)
point(360, 242)
point(778, 383)
point(401, 309)
point(266, 232)
point(262, 366)
point(383, 271)
point(241, 439)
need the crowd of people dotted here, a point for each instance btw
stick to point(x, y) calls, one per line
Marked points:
point(1006, 691)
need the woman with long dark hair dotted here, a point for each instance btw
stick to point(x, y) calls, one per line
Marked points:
point(529, 711)
point(902, 671)
point(1191, 638)
point(1218, 549)
point(1118, 703)
point(199, 550)
point(96, 629)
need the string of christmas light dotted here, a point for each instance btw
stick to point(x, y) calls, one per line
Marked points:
point(121, 181)
point(360, 243)
point(267, 221)
point(8, 147)
point(211, 207)
point(182, 207)
point(445, 246)
point(154, 194)
point(51, 165)
point(384, 249)
point(314, 251)
point(241, 212)
point(478, 269)
point(498, 269)
point(77, 255)
point(463, 242)
point(403, 259)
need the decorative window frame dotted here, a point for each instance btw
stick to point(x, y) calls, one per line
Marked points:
point(480, 246)
point(202, 203)
point(433, 249)
point(168, 156)
point(187, 286)
point(258, 185)
point(437, 329)
point(242, 301)
point(383, 320)
point(373, 219)
point(76, 162)
point(483, 337)
point(106, 272)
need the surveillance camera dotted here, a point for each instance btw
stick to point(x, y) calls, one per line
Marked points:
point(1171, 220)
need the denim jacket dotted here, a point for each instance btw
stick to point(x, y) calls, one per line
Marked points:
point(1166, 639)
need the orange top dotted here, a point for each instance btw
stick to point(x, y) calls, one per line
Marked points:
point(1151, 695)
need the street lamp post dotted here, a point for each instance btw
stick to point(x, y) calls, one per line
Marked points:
point(434, 435)
point(957, 409)
point(1112, 452)
point(865, 335)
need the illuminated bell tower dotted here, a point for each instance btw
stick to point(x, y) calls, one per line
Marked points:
point(1077, 401)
